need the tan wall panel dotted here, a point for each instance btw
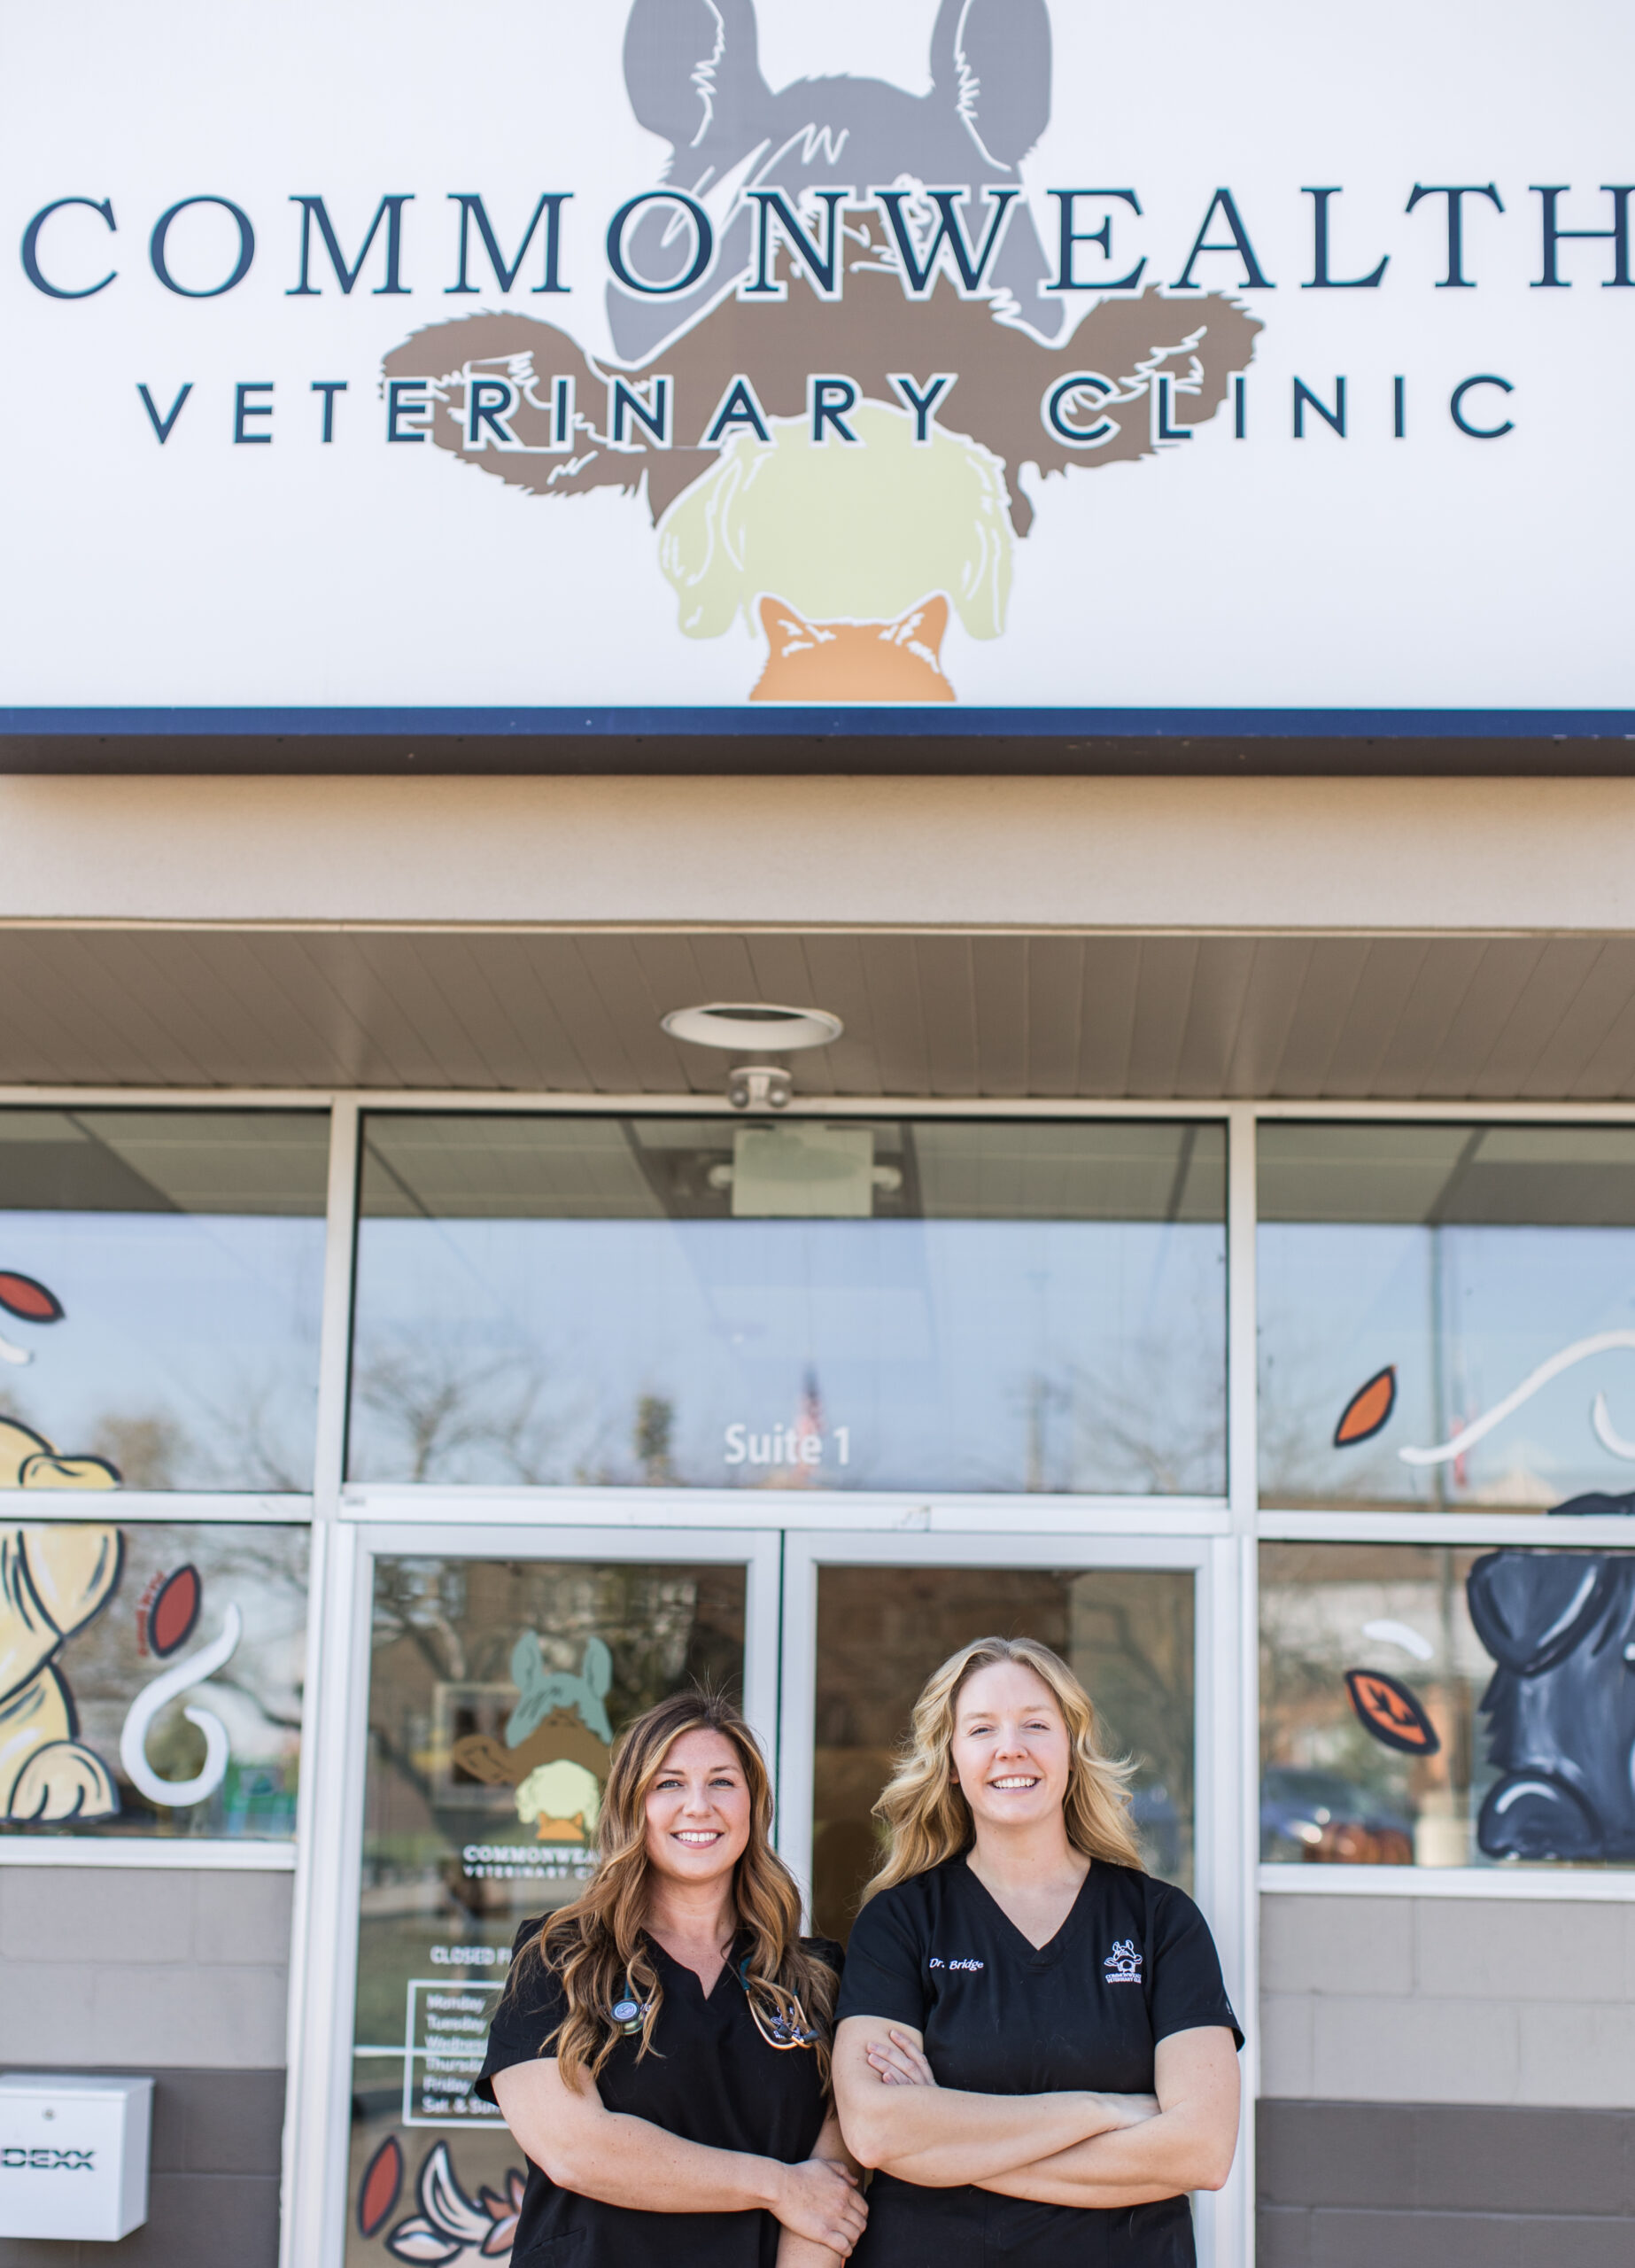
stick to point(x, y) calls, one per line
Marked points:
point(150, 1968)
point(1447, 2000)
point(1256, 854)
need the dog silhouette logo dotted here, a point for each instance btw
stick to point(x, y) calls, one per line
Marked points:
point(836, 351)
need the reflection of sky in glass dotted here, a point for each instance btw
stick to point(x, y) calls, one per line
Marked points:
point(1339, 1302)
point(188, 1349)
point(970, 1355)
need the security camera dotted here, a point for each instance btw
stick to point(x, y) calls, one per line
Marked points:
point(759, 1086)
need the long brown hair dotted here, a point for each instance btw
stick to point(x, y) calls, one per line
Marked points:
point(596, 1945)
point(924, 1811)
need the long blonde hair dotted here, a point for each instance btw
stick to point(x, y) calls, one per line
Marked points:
point(924, 1813)
point(596, 1945)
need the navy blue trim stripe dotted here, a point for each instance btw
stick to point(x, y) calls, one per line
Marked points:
point(784, 720)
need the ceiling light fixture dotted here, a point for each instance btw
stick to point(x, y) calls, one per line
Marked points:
point(736, 1025)
point(740, 1024)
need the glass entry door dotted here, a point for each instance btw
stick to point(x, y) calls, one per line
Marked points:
point(499, 1677)
point(867, 1618)
point(876, 1626)
point(1145, 1621)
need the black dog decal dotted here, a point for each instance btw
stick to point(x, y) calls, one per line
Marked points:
point(693, 70)
point(1560, 1706)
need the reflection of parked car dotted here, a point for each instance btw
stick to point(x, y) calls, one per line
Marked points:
point(1324, 1820)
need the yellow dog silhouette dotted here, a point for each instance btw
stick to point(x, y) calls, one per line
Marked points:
point(52, 1580)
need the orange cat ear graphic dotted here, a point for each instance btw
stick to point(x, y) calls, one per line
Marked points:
point(875, 662)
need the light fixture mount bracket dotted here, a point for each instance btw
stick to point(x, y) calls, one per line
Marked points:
point(759, 1086)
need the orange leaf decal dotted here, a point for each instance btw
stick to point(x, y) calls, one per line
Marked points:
point(378, 2193)
point(24, 1296)
point(1368, 1410)
point(174, 1610)
point(1394, 1716)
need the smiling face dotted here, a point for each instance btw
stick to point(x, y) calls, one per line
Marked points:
point(698, 1809)
point(1011, 1749)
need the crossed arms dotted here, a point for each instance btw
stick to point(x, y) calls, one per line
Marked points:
point(1055, 2149)
point(571, 2135)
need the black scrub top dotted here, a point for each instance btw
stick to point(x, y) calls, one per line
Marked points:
point(708, 2077)
point(1133, 1962)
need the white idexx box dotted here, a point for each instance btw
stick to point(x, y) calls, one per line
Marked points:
point(74, 2154)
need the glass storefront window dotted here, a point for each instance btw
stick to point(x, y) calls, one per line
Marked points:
point(497, 1688)
point(1127, 1632)
point(1447, 1316)
point(1432, 1706)
point(151, 1678)
point(160, 1282)
point(866, 1304)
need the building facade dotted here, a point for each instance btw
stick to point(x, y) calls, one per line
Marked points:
point(1136, 675)
point(479, 1356)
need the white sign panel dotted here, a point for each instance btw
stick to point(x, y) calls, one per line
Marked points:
point(969, 363)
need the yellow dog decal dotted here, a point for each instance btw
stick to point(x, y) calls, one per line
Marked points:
point(53, 1579)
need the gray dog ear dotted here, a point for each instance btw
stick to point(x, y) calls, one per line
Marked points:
point(693, 70)
point(993, 58)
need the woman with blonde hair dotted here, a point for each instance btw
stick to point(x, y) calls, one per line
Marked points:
point(1035, 2048)
point(661, 2051)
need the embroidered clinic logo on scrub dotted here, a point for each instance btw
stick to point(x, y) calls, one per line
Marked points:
point(1123, 1965)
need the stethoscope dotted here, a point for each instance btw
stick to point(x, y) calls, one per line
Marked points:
point(787, 2027)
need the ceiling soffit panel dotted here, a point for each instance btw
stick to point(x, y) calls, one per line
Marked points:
point(971, 1018)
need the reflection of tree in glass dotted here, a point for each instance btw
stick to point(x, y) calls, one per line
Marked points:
point(1299, 1410)
point(453, 1415)
point(655, 1423)
point(255, 1434)
point(146, 1451)
point(1159, 1428)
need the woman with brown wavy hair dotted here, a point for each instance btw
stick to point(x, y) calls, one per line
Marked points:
point(661, 2051)
point(1035, 2047)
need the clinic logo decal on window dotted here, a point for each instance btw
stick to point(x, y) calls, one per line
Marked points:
point(557, 1746)
point(1123, 1965)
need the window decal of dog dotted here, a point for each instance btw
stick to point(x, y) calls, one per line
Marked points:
point(54, 1578)
point(1561, 1705)
point(842, 462)
point(557, 1746)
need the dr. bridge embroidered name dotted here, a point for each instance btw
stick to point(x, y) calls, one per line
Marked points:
point(936, 1961)
point(1123, 1963)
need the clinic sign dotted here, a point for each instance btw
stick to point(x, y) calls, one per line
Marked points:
point(703, 360)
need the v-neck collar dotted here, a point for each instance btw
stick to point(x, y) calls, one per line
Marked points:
point(1050, 1952)
point(680, 1968)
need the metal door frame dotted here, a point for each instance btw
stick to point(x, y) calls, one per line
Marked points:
point(324, 1968)
point(1225, 2221)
